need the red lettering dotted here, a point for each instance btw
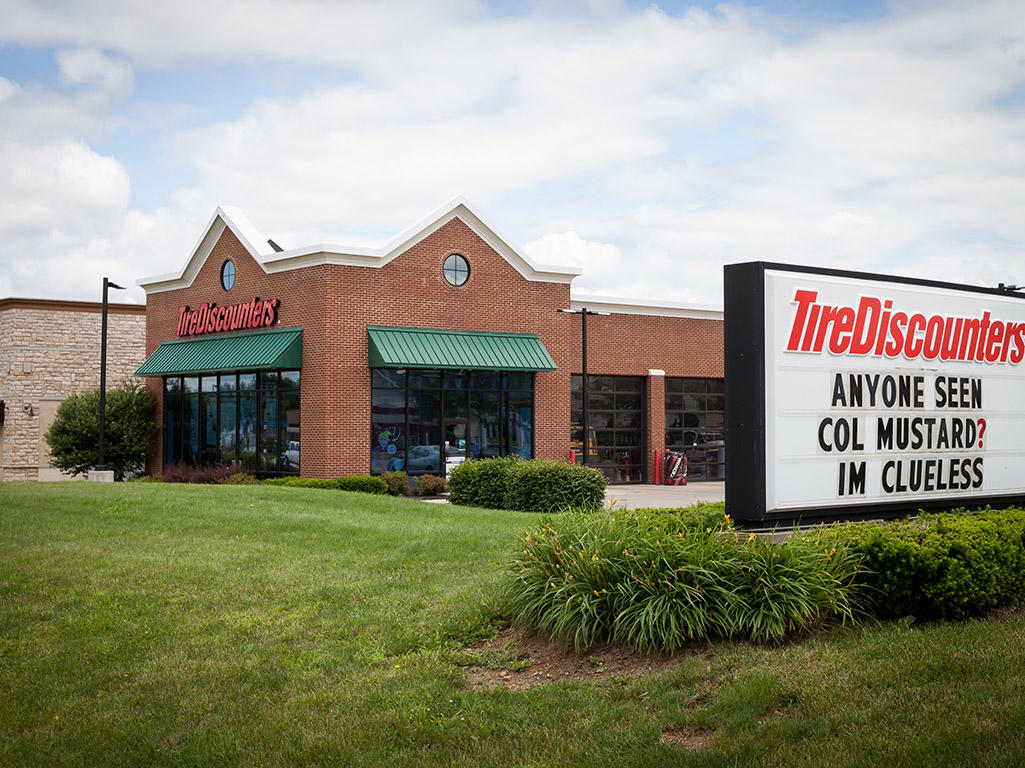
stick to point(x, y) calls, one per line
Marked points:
point(980, 348)
point(840, 339)
point(809, 334)
point(1019, 344)
point(828, 317)
point(873, 328)
point(912, 343)
point(884, 327)
point(864, 336)
point(804, 300)
point(897, 322)
point(996, 333)
point(951, 338)
point(933, 338)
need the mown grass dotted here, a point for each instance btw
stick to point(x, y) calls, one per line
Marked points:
point(147, 624)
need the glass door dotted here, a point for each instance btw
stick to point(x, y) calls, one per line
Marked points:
point(454, 444)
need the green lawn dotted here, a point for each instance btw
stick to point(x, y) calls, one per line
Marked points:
point(148, 624)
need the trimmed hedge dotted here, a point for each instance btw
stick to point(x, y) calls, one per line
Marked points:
point(397, 482)
point(481, 483)
point(430, 485)
point(356, 483)
point(552, 486)
point(239, 478)
point(940, 566)
point(654, 580)
point(530, 486)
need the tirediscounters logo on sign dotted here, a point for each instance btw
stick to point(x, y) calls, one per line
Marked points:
point(875, 328)
point(851, 394)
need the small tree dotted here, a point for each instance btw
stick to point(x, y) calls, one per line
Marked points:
point(128, 430)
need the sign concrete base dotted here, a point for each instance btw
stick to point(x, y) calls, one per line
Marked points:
point(101, 476)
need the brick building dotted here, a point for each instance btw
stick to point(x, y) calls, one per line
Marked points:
point(446, 344)
point(49, 350)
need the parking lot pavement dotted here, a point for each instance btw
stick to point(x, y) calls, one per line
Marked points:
point(633, 496)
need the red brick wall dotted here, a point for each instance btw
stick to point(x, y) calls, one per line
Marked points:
point(334, 304)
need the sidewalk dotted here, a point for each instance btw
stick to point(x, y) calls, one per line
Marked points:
point(633, 496)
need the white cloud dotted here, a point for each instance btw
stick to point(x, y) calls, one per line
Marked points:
point(88, 66)
point(654, 147)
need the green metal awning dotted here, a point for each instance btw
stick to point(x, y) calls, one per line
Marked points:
point(473, 350)
point(253, 350)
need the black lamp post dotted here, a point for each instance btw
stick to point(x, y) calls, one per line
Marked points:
point(584, 312)
point(100, 465)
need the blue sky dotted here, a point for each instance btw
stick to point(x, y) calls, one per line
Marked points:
point(652, 143)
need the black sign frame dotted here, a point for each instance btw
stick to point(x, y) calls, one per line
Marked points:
point(744, 369)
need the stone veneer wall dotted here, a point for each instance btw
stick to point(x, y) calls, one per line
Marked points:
point(48, 351)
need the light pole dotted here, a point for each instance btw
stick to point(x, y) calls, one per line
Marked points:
point(100, 465)
point(584, 312)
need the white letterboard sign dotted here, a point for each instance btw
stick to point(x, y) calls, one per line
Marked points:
point(867, 394)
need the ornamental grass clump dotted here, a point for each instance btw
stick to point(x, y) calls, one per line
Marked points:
point(655, 580)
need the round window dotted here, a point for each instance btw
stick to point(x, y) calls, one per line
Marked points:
point(228, 274)
point(456, 269)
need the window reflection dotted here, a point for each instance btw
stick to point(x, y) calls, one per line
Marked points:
point(695, 425)
point(433, 420)
point(248, 420)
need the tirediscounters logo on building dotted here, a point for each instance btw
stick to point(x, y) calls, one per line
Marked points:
point(211, 318)
point(882, 394)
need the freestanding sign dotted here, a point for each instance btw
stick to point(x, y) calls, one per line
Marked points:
point(852, 394)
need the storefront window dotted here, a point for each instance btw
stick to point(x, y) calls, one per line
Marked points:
point(208, 417)
point(248, 420)
point(228, 426)
point(695, 425)
point(190, 420)
point(268, 399)
point(172, 418)
point(425, 422)
point(288, 407)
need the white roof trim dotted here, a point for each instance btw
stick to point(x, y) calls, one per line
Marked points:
point(256, 244)
point(627, 306)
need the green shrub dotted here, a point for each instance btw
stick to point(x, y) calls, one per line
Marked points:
point(357, 483)
point(362, 484)
point(302, 482)
point(481, 483)
point(129, 430)
point(238, 478)
point(430, 485)
point(653, 581)
point(397, 482)
point(940, 566)
point(462, 483)
point(552, 486)
point(155, 478)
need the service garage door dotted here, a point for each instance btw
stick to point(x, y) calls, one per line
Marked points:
point(616, 418)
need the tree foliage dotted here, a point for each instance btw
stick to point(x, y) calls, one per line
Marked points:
point(129, 430)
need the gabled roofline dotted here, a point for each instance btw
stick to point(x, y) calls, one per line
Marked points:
point(297, 258)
